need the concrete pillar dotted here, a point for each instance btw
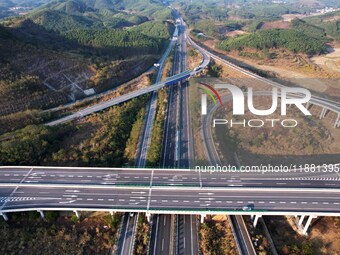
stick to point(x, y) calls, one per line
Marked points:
point(310, 218)
point(257, 216)
point(202, 218)
point(112, 212)
point(337, 122)
point(252, 216)
point(42, 214)
point(301, 220)
point(4, 215)
point(148, 217)
point(76, 213)
point(323, 113)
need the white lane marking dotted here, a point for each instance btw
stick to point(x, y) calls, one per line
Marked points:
point(126, 230)
point(67, 202)
point(157, 224)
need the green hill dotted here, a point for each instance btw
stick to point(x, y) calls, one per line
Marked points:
point(329, 22)
point(96, 44)
point(293, 40)
point(64, 15)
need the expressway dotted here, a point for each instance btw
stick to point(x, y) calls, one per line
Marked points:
point(161, 240)
point(143, 177)
point(171, 200)
point(186, 225)
point(150, 117)
point(127, 236)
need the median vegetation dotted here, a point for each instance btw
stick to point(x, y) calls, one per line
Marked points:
point(216, 237)
point(142, 235)
point(154, 153)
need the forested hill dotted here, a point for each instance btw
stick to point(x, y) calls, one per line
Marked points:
point(293, 40)
point(94, 44)
point(64, 15)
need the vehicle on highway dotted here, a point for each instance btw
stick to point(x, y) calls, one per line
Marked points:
point(198, 68)
point(247, 208)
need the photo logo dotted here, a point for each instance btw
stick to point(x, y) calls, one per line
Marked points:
point(289, 96)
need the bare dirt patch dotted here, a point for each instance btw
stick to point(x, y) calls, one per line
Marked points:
point(235, 33)
point(326, 231)
point(290, 17)
point(275, 24)
point(330, 61)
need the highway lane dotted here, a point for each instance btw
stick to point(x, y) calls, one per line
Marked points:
point(127, 238)
point(187, 234)
point(162, 237)
point(150, 117)
point(161, 240)
point(242, 235)
point(125, 241)
point(161, 199)
point(163, 177)
point(170, 126)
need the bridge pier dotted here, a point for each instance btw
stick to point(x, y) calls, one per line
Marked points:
point(77, 214)
point(323, 113)
point(148, 217)
point(112, 213)
point(301, 220)
point(4, 215)
point(42, 214)
point(202, 218)
point(310, 218)
point(257, 216)
point(337, 121)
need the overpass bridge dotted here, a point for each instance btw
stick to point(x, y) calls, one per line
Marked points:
point(168, 191)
